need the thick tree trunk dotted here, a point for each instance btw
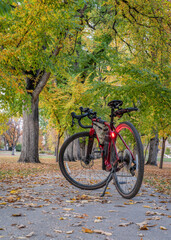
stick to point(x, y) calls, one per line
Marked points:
point(153, 150)
point(29, 151)
point(162, 153)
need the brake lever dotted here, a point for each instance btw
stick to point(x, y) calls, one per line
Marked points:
point(81, 109)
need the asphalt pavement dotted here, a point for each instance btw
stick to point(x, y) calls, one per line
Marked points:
point(48, 207)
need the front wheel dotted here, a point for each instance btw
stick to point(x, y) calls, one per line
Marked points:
point(81, 164)
point(129, 170)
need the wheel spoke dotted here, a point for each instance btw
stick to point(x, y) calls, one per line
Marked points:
point(129, 174)
point(82, 173)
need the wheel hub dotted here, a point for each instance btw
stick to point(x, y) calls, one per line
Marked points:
point(87, 163)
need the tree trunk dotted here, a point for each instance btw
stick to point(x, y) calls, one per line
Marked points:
point(145, 155)
point(29, 153)
point(57, 147)
point(13, 150)
point(162, 153)
point(153, 150)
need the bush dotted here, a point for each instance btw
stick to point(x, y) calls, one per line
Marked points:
point(1, 145)
point(18, 147)
point(167, 151)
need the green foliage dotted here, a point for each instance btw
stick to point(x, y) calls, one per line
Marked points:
point(18, 147)
point(107, 50)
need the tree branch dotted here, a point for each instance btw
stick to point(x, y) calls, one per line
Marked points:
point(116, 32)
point(43, 80)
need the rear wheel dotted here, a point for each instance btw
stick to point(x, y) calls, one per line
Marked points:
point(129, 170)
point(82, 170)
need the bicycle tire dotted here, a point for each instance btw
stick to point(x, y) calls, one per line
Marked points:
point(74, 169)
point(126, 183)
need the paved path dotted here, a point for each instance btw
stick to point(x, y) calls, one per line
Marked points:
point(48, 207)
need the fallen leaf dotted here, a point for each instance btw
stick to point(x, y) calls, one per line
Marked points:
point(143, 225)
point(68, 209)
point(3, 203)
point(148, 213)
point(119, 205)
point(62, 218)
point(153, 225)
point(15, 191)
point(103, 232)
point(141, 235)
point(163, 228)
point(70, 232)
point(129, 203)
point(17, 215)
point(77, 224)
point(21, 226)
point(21, 237)
point(147, 206)
point(30, 234)
point(11, 199)
point(57, 231)
point(125, 224)
point(97, 220)
point(154, 218)
point(87, 230)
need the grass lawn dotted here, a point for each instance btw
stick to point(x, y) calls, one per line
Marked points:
point(10, 169)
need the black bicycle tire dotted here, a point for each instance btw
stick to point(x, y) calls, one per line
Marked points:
point(137, 186)
point(65, 173)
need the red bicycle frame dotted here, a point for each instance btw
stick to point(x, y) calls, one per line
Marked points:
point(113, 134)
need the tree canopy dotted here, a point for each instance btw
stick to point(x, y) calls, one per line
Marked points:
point(86, 53)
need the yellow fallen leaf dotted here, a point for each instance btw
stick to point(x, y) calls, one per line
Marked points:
point(15, 191)
point(163, 228)
point(107, 193)
point(87, 230)
point(147, 206)
point(129, 203)
point(62, 218)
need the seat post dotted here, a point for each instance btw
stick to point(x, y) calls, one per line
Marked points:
point(111, 120)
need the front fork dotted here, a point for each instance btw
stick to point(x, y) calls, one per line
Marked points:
point(90, 146)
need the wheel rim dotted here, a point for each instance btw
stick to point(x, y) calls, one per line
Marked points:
point(83, 172)
point(127, 170)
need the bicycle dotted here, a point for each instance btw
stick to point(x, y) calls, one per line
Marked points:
point(90, 160)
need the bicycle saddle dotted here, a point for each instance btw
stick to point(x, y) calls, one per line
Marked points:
point(115, 103)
